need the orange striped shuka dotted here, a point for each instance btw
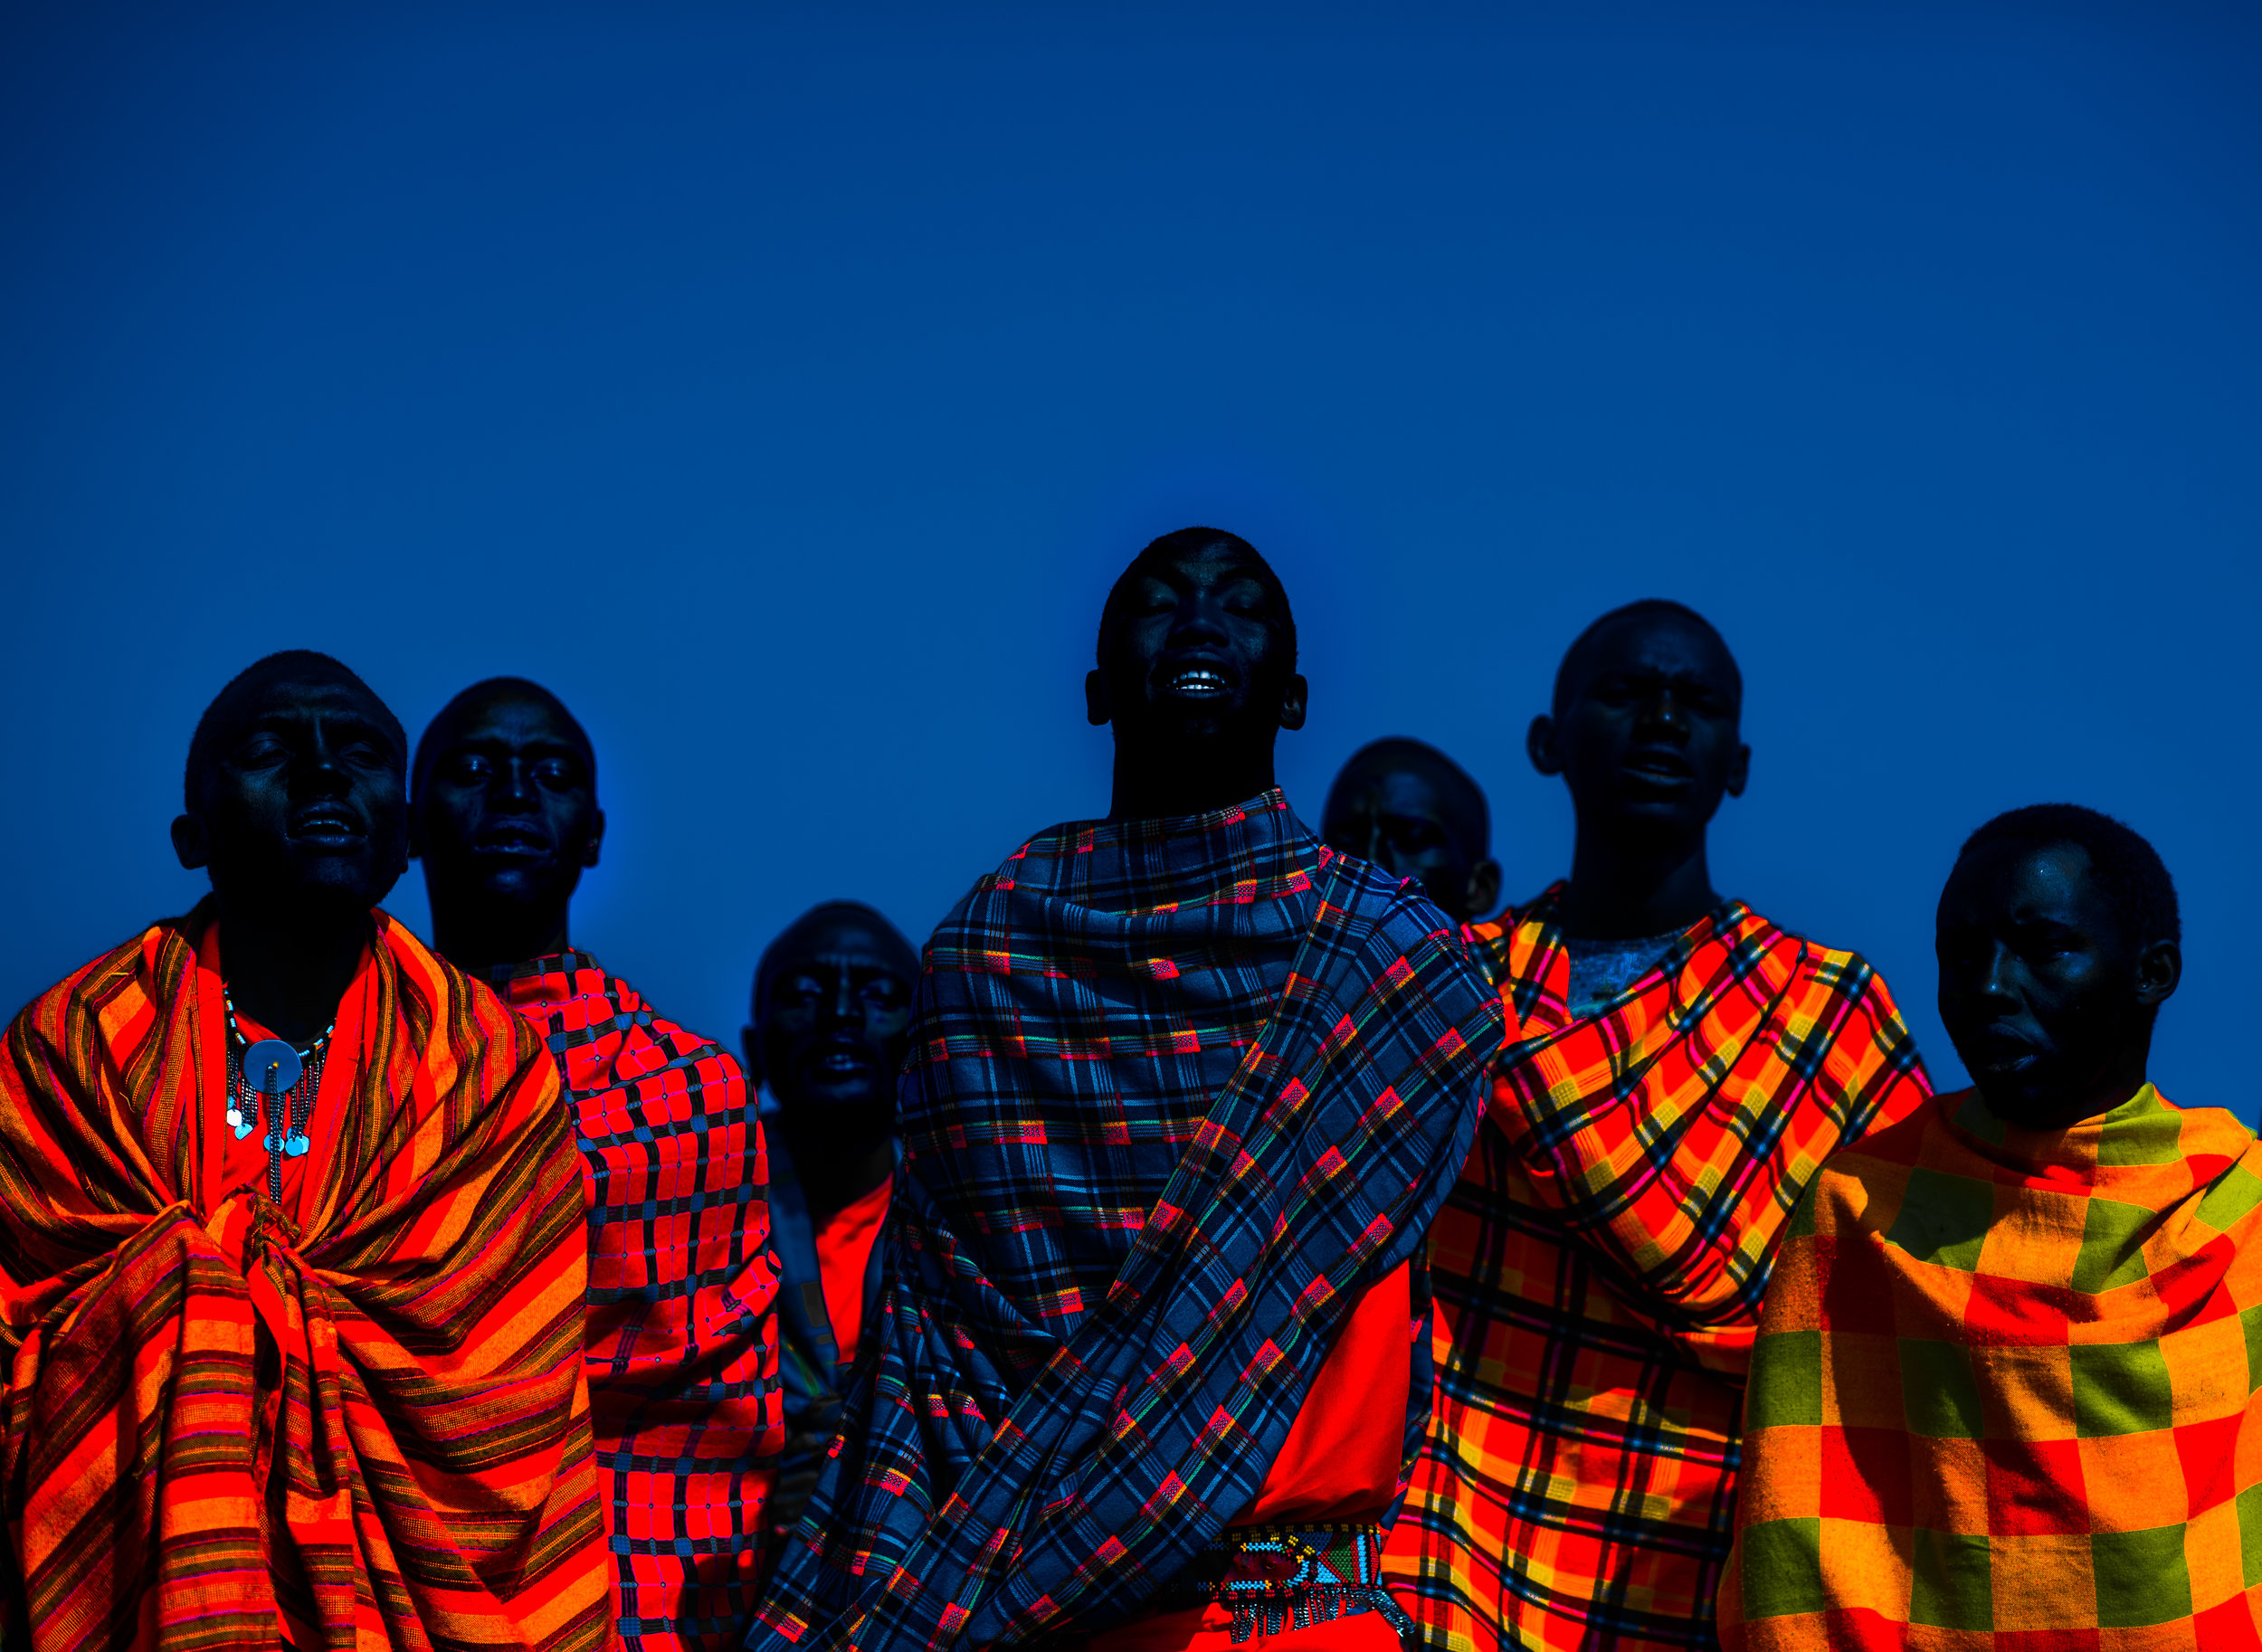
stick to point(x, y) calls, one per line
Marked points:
point(2004, 1398)
point(362, 1426)
point(1600, 1269)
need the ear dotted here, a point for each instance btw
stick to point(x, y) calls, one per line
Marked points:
point(2159, 972)
point(1296, 700)
point(750, 1048)
point(1739, 772)
point(596, 840)
point(1095, 710)
point(1539, 744)
point(188, 841)
point(1484, 889)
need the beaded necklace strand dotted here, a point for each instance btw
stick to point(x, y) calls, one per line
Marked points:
point(286, 1112)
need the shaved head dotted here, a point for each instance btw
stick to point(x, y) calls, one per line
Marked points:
point(828, 919)
point(1185, 546)
point(478, 698)
point(1462, 799)
point(1588, 651)
point(245, 689)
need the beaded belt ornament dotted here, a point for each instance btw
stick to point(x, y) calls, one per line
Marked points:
point(1277, 1578)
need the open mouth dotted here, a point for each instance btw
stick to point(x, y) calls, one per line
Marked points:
point(1197, 682)
point(327, 825)
point(842, 1064)
point(515, 841)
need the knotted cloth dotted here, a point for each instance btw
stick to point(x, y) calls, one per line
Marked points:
point(365, 1427)
point(1179, 1092)
point(2004, 1395)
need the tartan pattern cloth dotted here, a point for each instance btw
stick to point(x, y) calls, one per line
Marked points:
point(1600, 1268)
point(2004, 1396)
point(366, 1426)
point(682, 1343)
point(1179, 1092)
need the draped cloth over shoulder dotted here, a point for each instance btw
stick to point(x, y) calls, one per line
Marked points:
point(366, 1426)
point(1107, 1287)
point(2005, 1397)
point(1600, 1268)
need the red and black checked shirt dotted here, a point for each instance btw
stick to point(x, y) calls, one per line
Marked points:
point(681, 1348)
point(1598, 1272)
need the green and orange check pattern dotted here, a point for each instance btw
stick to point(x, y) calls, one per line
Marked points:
point(1600, 1269)
point(2003, 1396)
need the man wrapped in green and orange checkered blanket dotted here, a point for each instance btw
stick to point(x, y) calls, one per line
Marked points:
point(2003, 1394)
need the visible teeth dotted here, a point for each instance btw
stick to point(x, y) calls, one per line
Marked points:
point(1198, 678)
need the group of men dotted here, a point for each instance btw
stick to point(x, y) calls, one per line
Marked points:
point(1223, 1235)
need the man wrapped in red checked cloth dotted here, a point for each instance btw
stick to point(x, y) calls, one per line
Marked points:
point(291, 1248)
point(681, 1345)
point(1681, 1068)
point(1184, 1089)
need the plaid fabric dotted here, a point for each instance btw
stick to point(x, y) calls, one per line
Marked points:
point(364, 1427)
point(1598, 1273)
point(681, 1345)
point(2004, 1396)
point(1179, 1092)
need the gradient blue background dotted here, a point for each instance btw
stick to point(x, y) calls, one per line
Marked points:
point(784, 387)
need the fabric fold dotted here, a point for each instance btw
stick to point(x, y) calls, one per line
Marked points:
point(2005, 1392)
point(1180, 1091)
point(222, 1425)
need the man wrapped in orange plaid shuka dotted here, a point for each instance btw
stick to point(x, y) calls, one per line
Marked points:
point(291, 1248)
point(2005, 1392)
point(681, 1341)
point(1682, 1066)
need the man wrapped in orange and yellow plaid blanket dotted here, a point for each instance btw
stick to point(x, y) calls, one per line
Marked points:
point(1599, 1267)
point(2003, 1396)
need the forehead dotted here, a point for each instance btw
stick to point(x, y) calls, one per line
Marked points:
point(1388, 789)
point(512, 719)
point(854, 943)
point(305, 699)
point(2023, 881)
point(1212, 566)
point(1666, 644)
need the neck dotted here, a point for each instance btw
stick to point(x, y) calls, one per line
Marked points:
point(475, 938)
point(1190, 778)
point(287, 969)
point(839, 1154)
point(1623, 892)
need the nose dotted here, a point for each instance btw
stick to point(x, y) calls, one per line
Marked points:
point(1994, 984)
point(1374, 838)
point(1663, 714)
point(845, 1009)
point(317, 773)
point(1200, 618)
point(514, 788)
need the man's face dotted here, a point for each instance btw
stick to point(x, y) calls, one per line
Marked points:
point(1197, 648)
point(1649, 740)
point(835, 1019)
point(2041, 992)
point(1396, 819)
point(508, 809)
point(302, 800)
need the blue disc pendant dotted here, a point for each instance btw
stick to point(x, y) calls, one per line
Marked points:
point(271, 1067)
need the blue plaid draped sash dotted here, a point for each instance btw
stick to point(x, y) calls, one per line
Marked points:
point(1180, 1091)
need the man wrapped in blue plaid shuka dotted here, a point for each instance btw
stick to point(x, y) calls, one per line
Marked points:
point(1184, 1090)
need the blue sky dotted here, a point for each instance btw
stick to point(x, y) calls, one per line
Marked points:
point(784, 387)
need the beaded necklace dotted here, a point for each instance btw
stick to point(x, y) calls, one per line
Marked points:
point(287, 1085)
